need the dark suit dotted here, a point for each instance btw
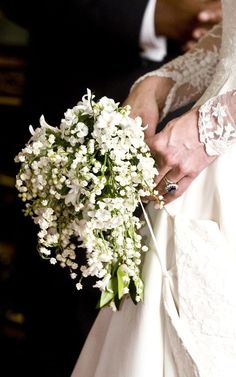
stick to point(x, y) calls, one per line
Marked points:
point(73, 45)
point(76, 45)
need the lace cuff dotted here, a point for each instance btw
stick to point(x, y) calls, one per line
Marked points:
point(191, 72)
point(217, 123)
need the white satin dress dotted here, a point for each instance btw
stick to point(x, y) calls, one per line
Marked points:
point(186, 326)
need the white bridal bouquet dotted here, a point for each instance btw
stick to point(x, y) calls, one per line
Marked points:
point(81, 184)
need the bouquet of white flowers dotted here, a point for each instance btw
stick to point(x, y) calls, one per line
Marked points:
point(81, 184)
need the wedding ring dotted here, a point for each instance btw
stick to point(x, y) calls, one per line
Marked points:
point(170, 186)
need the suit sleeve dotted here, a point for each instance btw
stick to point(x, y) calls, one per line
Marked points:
point(121, 20)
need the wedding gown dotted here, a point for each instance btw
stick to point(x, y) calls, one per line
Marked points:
point(186, 326)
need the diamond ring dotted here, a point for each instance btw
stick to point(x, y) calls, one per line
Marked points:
point(170, 187)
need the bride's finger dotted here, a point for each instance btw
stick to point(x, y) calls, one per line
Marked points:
point(183, 184)
point(161, 174)
point(169, 182)
point(162, 168)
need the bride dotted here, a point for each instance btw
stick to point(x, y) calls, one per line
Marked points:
point(186, 326)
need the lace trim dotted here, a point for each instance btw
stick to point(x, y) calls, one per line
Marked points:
point(191, 72)
point(190, 80)
point(217, 123)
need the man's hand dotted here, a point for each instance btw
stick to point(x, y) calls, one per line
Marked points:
point(186, 20)
point(210, 15)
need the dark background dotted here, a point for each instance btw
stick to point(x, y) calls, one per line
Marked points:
point(41, 331)
point(13, 47)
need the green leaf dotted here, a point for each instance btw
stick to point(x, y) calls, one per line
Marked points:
point(105, 298)
point(122, 283)
point(139, 287)
point(108, 295)
point(114, 269)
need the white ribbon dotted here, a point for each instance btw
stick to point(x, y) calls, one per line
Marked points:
point(162, 264)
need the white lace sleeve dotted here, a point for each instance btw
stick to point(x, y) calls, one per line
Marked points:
point(191, 72)
point(217, 123)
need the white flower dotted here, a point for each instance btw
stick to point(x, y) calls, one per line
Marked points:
point(81, 130)
point(125, 290)
point(31, 130)
point(73, 195)
point(21, 158)
point(79, 286)
point(81, 184)
point(113, 306)
point(44, 124)
point(51, 139)
point(70, 117)
point(45, 251)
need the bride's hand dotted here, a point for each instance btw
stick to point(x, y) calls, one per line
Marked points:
point(179, 154)
point(147, 99)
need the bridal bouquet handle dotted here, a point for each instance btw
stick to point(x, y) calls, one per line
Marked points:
point(81, 183)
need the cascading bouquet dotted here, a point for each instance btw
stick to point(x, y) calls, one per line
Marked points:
point(81, 184)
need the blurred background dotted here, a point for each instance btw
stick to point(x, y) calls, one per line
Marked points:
point(41, 331)
point(13, 60)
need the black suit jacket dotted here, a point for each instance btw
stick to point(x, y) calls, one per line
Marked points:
point(78, 44)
